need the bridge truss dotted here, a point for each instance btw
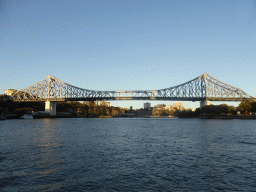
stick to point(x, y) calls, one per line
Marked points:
point(198, 89)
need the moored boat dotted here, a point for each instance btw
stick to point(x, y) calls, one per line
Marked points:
point(26, 116)
point(12, 116)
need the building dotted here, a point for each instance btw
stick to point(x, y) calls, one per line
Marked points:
point(10, 92)
point(147, 105)
point(103, 103)
point(86, 102)
point(107, 104)
point(178, 105)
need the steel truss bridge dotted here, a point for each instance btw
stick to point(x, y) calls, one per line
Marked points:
point(201, 88)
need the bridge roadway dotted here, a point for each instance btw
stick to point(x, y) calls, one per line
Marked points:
point(193, 99)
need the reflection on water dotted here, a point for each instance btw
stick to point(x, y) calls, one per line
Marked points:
point(127, 155)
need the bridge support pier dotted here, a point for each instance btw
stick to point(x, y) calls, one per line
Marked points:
point(50, 107)
point(204, 103)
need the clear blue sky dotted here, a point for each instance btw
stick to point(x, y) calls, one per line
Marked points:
point(128, 44)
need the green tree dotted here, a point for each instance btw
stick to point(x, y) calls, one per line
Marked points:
point(100, 111)
point(187, 114)
point(163, 113)
point(84, 110)
point(177, 113)
point(21, 111)
point(245, 106)
point(253, 109)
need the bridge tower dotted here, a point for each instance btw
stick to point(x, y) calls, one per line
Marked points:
point(50, 107)
point(204, 94)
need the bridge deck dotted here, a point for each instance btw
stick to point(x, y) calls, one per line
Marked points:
point(129, 98)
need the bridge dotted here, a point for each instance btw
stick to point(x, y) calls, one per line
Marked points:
point(203, 88)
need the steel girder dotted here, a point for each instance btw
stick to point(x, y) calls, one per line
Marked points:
point(216, 89)
point(198, 89)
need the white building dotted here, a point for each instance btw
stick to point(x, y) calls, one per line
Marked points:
point(178, 105)
point(86, 102)
point(10, 92)
point(103, 103)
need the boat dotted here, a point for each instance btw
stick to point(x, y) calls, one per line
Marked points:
point(26, 116)
point(2, 117)
point(42, 114)
point(12, 116)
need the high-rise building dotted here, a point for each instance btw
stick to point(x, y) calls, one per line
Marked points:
point(147, 105)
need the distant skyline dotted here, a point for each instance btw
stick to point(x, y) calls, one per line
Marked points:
point(111, 45)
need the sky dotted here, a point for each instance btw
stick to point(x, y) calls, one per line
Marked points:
point(113, 45)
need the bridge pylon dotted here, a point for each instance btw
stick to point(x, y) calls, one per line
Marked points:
point(50, 107)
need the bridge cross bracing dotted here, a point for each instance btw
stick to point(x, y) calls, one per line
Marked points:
point(201, 88)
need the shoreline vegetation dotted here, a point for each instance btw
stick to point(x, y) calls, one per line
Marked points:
point(13, 110)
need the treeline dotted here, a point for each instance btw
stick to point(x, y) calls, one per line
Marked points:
point(90, 110)
point(19, 108)
point(247, 106)
point(162, 112)
point(74, 108)
point(244, 108)
point(211, 110)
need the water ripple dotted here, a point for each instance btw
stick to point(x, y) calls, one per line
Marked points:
point(127, 155)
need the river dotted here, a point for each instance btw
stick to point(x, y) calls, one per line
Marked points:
point(122, 154)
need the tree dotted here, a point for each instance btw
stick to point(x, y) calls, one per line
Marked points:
point(197, 112)
point(216, 109)
point(3, 106)
point(163, 113)
point(91, 107)
point(177, 113)
point(253, 109)
point(186, 114)
point(100, 111)
point(84, 110)
point(21, 111)
point(245, 106)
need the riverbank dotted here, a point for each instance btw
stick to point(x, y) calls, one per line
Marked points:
point(2, 117)
point(227, 117)
point(236, 117)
